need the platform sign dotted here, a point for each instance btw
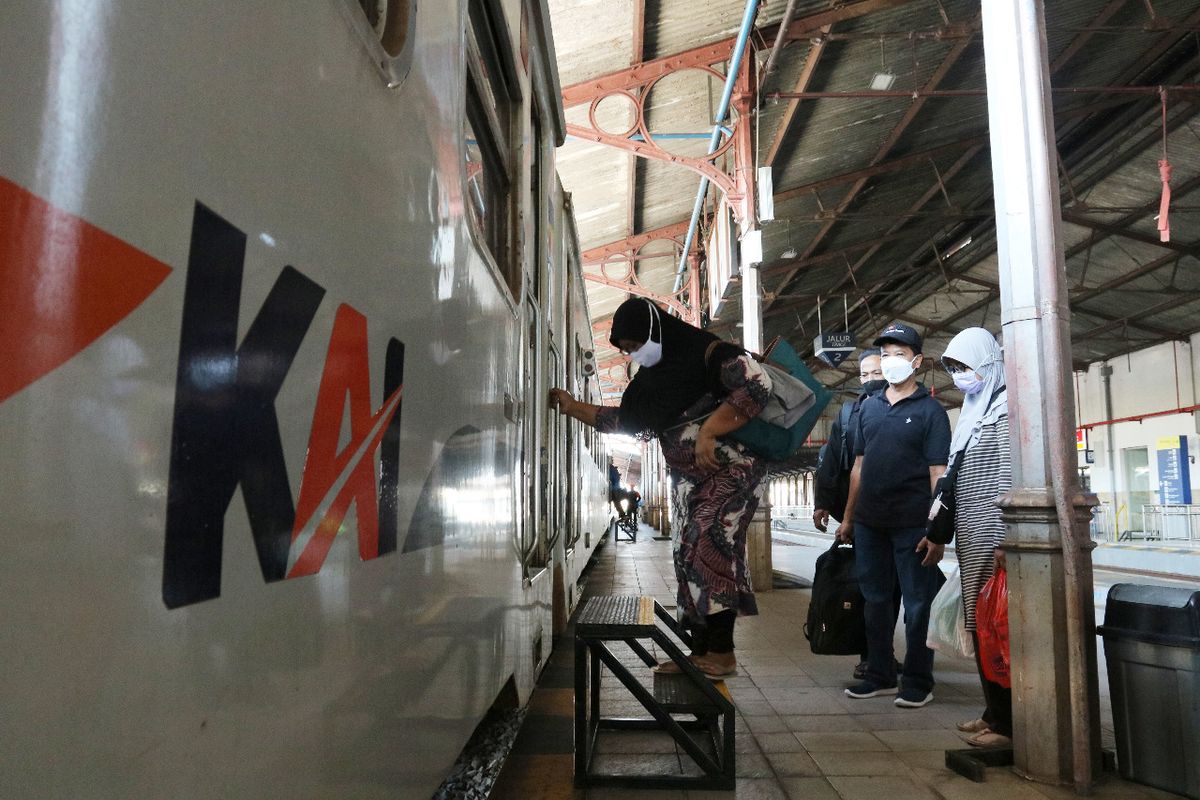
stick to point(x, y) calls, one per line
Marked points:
point(1174, 473)
point(1080, 439)
point(721, 264)
point(834, 348)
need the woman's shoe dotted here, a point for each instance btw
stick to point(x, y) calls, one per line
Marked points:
point(671, 668)
point(717, 673)
point(974, 726)
point(989, 738)
point(717, 669)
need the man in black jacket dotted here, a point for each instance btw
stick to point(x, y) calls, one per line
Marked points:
point(837, 459)
point(837, 456)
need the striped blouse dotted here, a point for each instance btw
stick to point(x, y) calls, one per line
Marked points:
point(984, 475)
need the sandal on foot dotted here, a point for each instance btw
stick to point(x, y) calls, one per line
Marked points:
point(974, 726)
point(716, 672)
point(670, 667)
point(989, 738)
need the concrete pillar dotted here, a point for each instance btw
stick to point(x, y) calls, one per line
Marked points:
point(758, 548)
point(662, 498)
point(751, 310)
point(1051, 617)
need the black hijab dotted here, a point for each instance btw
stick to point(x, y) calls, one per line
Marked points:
point(657, 396)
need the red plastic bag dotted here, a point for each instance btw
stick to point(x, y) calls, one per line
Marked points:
point(991, 626)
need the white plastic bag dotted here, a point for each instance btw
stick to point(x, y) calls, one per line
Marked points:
point(948, 620)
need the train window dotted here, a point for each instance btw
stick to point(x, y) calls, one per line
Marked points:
point(386, 29)
point(491, 95)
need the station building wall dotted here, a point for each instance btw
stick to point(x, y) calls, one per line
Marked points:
point(1158, 379)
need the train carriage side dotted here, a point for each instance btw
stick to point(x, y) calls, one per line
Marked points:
point(283, 295)
point(588, 517)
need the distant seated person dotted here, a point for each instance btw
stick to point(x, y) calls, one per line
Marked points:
point(635, 501)
point(623, 501)
point(616, 492)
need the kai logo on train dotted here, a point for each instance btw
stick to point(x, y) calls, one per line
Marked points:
point(226, 432)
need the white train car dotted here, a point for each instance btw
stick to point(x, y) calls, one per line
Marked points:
point(283, 288)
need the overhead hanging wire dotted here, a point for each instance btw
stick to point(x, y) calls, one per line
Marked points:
point(1164, 174)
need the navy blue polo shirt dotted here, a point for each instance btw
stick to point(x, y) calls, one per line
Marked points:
point(899, 443)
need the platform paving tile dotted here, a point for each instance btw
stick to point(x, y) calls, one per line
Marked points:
point(617, 793)
point(781, 682)
point(892, 787)
point(637, 764)
point(794, 765)
point(809, 789)
point(859, 763)
point(922, 759)
point(816, 703)
point(900, 720)
point(778, 693)
point(822, 723)
point(635, 742)
point(859, 741)
point(753, 765)
point(747, 743)
point(937, 739)
point(779, 743)
point(1000, 785)
point(771, 724)
point(761, 709)
point(745, 692)
point(746, 789)
point(774, 669)
point(1109, 788)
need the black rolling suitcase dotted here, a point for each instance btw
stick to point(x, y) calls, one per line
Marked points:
point(836, 625)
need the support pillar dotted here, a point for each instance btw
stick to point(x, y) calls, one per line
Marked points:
point(751, 310)
point(758, 545)
point(758, 537)
point(1051, 616)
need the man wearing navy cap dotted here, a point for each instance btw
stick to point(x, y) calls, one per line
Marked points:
point(902, 447)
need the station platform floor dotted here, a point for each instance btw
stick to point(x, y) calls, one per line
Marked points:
point(798, 736)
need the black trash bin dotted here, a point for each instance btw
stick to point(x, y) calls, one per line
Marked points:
point(1152, 646)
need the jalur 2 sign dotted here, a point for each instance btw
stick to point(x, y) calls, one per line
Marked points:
point(834, 348)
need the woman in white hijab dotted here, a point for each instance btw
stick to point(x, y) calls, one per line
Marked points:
point(979, 454)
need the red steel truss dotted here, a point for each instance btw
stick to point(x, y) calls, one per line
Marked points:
point(618, 262)
point(635, 85)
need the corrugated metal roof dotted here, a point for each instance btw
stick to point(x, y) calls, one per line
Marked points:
point(1110, 155)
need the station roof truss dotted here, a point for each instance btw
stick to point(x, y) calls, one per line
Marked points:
point(883, 198)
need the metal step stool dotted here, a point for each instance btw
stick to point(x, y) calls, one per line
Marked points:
point(629, 528)
point(689, 694)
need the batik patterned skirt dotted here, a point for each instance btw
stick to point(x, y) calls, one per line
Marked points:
point(712, 515)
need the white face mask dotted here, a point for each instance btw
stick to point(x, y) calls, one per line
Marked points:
point(967, 383)
point(897, 369)
point(650, 353)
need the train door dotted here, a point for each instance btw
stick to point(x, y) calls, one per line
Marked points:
point(533, 472)
point(552, 465)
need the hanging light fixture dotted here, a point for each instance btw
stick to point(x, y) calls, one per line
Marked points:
point(790, 252)
point(883, 80)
